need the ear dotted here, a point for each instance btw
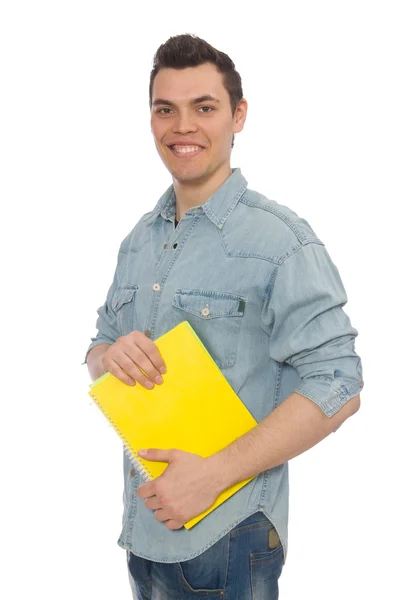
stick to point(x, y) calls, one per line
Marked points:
point(240, 115)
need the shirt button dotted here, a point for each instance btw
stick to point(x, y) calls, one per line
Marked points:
point(148, 333)
point(205, 311)
point(156, 287)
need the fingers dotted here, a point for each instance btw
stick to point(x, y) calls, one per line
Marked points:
point(151, 351)
point(130, 367)
point(113, 367)
point(152, 503)
point(163, 514)
point(135, 358)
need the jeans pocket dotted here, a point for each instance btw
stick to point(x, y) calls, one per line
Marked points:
point(207, 572)
point(139, 569)
point(265, 570)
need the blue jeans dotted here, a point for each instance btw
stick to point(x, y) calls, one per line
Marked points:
point(245, 564)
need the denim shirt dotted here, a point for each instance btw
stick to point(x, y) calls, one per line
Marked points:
point(274, 323)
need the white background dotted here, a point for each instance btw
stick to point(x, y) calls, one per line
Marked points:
point(79, 168)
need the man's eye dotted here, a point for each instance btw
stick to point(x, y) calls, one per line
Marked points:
point(207, 111)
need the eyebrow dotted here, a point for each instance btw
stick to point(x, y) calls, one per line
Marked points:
point(205, 98)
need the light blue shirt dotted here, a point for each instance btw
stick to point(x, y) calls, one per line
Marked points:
point(274, 324)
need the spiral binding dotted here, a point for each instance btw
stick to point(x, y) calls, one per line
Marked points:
point(129, 451)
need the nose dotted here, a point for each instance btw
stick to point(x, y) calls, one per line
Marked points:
point(184, 123)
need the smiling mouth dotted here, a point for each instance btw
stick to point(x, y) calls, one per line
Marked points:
point(186, 153)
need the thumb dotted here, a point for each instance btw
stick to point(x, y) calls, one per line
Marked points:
point(155, 454)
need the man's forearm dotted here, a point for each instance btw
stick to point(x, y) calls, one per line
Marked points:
point(293, 427)
point(94, 362)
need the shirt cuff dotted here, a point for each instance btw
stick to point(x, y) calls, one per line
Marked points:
point(102, 340)
point(330, 396)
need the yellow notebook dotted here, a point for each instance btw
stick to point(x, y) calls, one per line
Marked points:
point(195, 409)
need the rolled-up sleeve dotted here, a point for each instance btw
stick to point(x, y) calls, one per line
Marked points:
point(308, 328)
point(106, 324)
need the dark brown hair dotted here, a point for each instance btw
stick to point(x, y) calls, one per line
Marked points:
point(186, 50)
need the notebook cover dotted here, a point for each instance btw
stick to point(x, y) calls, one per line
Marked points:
point(195, 409)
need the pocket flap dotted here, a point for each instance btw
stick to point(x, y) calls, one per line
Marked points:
point(209, 304)
point(123, 295)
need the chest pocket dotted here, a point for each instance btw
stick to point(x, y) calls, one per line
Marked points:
point(216, 317)
point(123, 306)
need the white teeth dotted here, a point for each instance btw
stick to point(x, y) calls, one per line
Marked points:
point(186, 149)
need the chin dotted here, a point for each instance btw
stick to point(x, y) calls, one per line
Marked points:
point(186, 175)
point(189, 177)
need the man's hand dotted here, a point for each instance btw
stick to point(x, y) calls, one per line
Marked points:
point(132, 357)
point(187, 487)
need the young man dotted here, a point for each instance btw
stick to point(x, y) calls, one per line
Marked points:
point(261, 291)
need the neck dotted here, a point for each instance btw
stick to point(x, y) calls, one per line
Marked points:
point(190, 194)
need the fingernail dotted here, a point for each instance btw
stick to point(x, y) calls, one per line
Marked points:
point(149, 385)
point(158, 379)
point(163, 370)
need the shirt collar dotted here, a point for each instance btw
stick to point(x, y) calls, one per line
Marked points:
point(218, 206)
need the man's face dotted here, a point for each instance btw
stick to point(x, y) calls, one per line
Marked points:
point(208, 123)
